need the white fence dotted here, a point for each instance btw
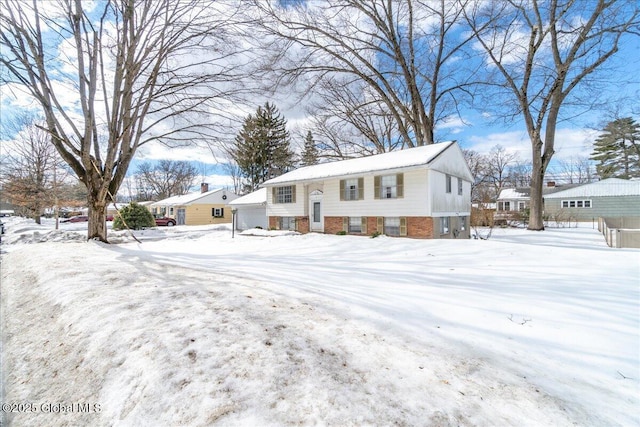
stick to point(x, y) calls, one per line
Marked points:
point(620, 232)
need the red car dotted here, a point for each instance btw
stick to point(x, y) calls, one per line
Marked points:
point(169, 222)
point(77, 218)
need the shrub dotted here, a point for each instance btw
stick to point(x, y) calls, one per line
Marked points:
point(134, 217)
point(341, 233)
point(375, 234)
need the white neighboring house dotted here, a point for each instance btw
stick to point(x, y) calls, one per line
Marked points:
point(251, 210)
point(205, 207)
point(422, 192)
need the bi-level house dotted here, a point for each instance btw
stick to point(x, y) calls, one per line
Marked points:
point(422, 192)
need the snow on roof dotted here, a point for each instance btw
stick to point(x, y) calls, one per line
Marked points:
point(393, 160)
point(514, 193)
point(185, 198)
point(256, 198)
point(610, 187)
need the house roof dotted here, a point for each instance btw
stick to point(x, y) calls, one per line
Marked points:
point(610, 187)
point(186, 199)
point(258, 197)
point(418, 156)
point(515, 193)
point(525, 192)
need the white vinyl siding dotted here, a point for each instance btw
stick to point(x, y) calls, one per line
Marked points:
point(447, 204)
point(415, 200)
point(297, 208)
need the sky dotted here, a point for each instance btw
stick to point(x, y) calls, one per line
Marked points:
point(476, 129)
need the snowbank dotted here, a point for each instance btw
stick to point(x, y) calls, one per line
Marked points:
point(192, 327)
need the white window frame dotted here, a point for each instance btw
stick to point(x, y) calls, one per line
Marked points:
point(287, 223)
point(390, 227)
point(351, 189)
point(389, 189)
point(576, 204)
point(459, 186)
point(445, 225)
point(355, 224)
point(284, 194)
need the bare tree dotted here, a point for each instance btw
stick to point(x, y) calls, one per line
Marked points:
point(499, 161)
point(541, 51)
point(375, 62)
point(137, 71)
point(520, 173)
point(479, 167)
point(166, 178)
point(32, 170)
point(576, 170)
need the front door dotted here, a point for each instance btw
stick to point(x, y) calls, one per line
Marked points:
point(181, 217)
point(315, 211)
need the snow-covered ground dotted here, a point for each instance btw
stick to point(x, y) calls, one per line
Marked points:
point(194, 328)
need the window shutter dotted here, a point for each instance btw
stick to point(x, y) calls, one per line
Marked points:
point(380, 224)
point(213, 211)
point(221, 212)
point(293, 194)
point(360, 188)
point(345, 224)
point(403, 226)
point(376, 187)
point(364, 225)
point(400, 185)
point(273, 195)
point(341, 189)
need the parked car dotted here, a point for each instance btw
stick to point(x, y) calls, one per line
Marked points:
point(109, 217)
point(169, 222)
point(77, 218)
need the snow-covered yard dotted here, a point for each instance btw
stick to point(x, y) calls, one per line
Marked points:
point(194, 328)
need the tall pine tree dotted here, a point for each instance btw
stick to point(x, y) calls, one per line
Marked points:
point(617, 150)
point(310, 151)
point(262, 147)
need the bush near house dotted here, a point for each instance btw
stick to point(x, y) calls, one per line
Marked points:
point(134, 217)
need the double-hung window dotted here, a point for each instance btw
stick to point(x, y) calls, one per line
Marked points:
point(355, 224)
point(459, 186)
point(352, 189)
point(389, 186)
point(284, 194)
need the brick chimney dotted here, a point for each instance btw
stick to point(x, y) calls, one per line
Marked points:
point(204, 187)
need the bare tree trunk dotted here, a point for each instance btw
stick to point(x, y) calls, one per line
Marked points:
point(536, 207)
point(97, 221)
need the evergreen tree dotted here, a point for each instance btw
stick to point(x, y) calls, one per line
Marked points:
point(262, 147)
point(617, 150)
point(310, 151)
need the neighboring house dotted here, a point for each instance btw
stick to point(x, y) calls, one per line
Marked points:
point(513, 203)
point(609, 198)
point(422, 192)
point(251, 210)
point(206, 207)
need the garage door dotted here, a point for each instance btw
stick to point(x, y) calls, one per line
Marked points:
point(251, 217)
